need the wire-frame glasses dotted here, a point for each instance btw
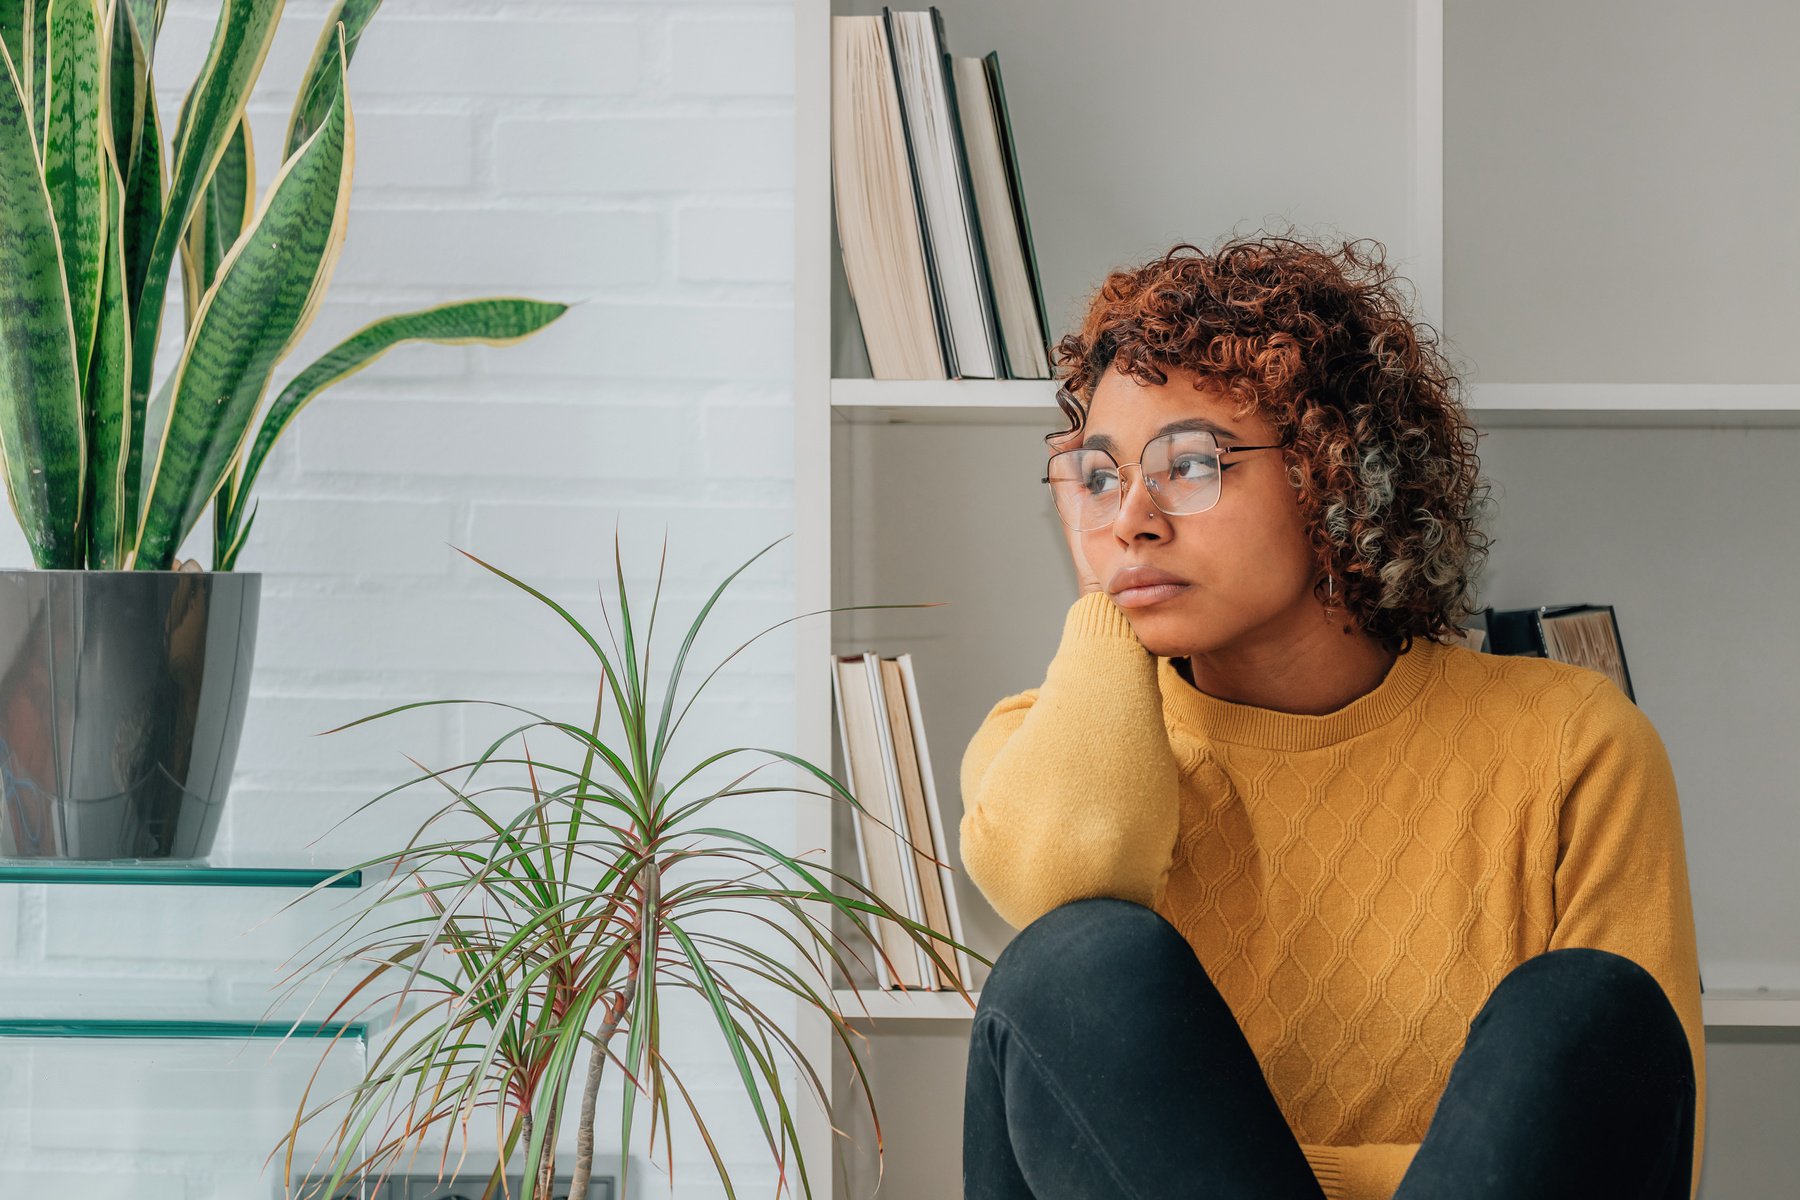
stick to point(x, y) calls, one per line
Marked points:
point(1183, 472)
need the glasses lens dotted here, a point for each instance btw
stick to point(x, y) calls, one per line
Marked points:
point(1085, 485)
point(1180, 469)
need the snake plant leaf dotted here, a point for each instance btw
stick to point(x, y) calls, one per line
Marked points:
point(318, 85)
point(73, 166)
point(41, 428)
point(15, 28)
point(137, 139)
point(148, 14)
point(240, 43)
point(110, 428)
point(245, 324)
point(36, 68)
point(495, 321)
point(228, 207)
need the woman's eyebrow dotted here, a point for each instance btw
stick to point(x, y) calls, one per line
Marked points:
point(1100, 441)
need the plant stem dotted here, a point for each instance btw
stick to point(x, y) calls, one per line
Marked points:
point(584, 1145)
point(546, 1180)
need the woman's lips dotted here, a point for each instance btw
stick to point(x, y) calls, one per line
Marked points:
point(1142, 597)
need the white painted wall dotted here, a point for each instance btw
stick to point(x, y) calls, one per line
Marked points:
point(636, 160)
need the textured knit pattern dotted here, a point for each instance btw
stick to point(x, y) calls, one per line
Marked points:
point(1355, 883)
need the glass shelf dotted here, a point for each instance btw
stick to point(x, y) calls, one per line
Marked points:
point(147, 1110)
point(52, 1027)
point(148, 872)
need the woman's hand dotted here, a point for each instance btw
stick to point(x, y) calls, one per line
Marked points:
point(1085, 577)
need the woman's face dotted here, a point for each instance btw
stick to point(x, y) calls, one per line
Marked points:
point(1246, 562)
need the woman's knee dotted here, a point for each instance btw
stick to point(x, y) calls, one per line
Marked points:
point(1098, 944)
point(1579, 998)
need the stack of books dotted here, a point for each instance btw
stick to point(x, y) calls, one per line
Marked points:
point(899, 828)
point(930, 211)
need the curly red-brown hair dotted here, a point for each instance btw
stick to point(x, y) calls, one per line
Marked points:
point(1380, 450)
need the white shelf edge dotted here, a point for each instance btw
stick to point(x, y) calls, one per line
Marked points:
point(902, 1005)
point(1697, 404)
point(1764, 1008)
point(1723, 1008)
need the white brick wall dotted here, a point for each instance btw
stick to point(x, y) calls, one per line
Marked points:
point(635, 160)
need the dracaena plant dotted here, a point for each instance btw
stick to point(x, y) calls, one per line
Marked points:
point(525, 922)
point(100, 475)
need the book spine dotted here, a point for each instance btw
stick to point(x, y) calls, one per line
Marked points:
point(940, 316)
point(915, 904)
point(1016, 185)
point(883, 978)
point(984, 280)
point(935, 815)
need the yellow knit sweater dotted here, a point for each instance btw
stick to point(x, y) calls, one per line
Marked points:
point(1355, 883)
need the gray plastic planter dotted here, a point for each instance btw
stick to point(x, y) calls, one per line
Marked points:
point(122, 696)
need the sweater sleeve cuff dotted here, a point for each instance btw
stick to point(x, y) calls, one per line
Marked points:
point(1328, 1167)
point(1095, 616)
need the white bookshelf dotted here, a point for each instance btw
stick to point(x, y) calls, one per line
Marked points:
point(918, 491)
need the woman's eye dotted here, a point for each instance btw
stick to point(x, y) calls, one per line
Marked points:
point(1100, 481)
point(1192, 466)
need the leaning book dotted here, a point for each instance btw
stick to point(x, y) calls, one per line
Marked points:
point(924, 819)
point(880, 854)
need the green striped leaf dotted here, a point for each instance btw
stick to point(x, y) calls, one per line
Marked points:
point(318, 86)
point(244, 326)
point(495, 321)
point(109, 520)
point(240, 43)
point(137, 142)
point(41, 432)
point(148, 14)
point(15, 29)
point(225, 210)
point(72, 162)
point(32, 69)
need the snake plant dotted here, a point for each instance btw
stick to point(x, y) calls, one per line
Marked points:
point(524, 923)
point(102, 475)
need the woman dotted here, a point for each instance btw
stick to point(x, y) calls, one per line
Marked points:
point(1312, 898)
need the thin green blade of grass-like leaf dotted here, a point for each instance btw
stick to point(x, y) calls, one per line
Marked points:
point(712, 1148)
point(663, 732)
point(726, 1025)
point(746, 645)
point(610, 675)
point(763, 1026)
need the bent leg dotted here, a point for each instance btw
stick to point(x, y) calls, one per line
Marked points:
point(1576, 1081)
point(1104, 1065)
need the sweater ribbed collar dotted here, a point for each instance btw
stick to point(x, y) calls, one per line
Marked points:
point(1213, 719)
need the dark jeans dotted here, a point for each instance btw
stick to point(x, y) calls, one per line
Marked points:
point(1104, 1065)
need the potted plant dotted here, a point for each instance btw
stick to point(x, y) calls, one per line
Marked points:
point(531, 920)
point(123, 682)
